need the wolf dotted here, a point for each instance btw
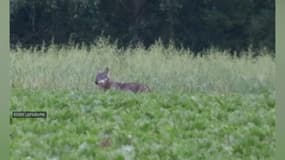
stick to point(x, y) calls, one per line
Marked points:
point(104, 82)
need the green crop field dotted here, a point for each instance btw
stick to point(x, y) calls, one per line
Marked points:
point(213, 107)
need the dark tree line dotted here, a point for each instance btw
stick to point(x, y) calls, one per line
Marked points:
point(195, 24)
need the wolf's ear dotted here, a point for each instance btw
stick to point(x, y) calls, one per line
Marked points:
point(107, 70)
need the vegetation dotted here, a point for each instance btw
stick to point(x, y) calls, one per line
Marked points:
point(210, 65)
point(123, 125)
point(196, 24)
point(206, 107)
point(164, 69)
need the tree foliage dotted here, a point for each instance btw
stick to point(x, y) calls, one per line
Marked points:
point(198, 24)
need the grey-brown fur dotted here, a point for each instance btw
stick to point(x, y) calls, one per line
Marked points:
point(103, 81)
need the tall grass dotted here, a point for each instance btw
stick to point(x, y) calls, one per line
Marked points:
point(164, 69)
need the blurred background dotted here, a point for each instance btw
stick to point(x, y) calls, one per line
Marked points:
point(234, 25)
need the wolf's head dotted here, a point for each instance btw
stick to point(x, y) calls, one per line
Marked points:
point(102, 78)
